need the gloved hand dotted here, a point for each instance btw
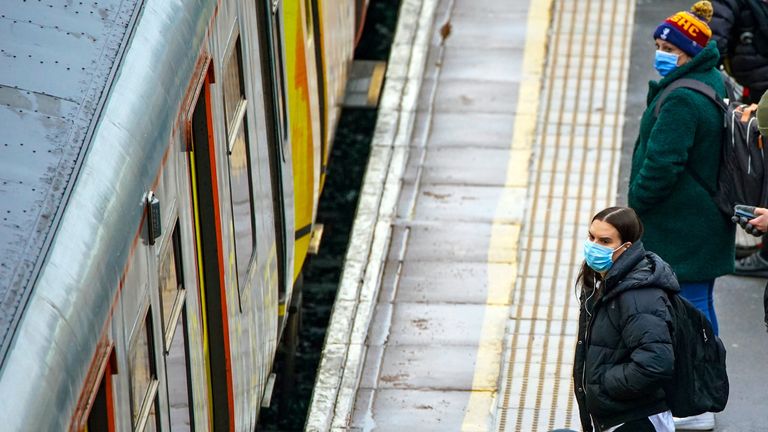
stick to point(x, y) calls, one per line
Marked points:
point(748, 227)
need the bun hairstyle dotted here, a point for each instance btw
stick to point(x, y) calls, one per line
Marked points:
point(686, 30)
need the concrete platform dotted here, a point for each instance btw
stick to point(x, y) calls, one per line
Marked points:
point(494, 147)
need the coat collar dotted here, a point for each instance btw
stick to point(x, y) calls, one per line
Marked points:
point(703, 61)
point(637, 268)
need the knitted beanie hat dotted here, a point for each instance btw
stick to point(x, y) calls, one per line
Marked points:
point(762, 115)
point(687, 30)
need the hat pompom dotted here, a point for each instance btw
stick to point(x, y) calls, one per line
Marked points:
point(703, 9)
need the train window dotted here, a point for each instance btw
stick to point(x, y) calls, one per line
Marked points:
point(179, 384)
point(275, 36)
point(234, 86)
point(308, 19)
point(144, 378)
point(171, 285)
point(242, 205)
point(239, 165)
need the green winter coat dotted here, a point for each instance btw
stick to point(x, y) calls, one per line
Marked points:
point(682, 224)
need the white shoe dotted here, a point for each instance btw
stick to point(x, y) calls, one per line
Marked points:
point(701, 422)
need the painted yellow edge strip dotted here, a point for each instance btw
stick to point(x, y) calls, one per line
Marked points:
point(481, 404)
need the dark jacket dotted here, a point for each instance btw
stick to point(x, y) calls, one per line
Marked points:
point(743, 46)
point(624, 352)
point(682, 223)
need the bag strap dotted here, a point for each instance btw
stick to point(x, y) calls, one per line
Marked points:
point(700, 181)
point(707, 91)
point(692, 84)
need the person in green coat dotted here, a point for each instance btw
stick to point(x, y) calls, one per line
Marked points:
point(676, 155)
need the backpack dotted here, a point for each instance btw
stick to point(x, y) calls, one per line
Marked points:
point(699, 383)
point(742, 176)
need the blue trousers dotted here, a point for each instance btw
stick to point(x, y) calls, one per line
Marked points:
point(701, 295)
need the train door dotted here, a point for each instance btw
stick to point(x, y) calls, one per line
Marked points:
point(96, 409)
point(210, 259)
point(269, 15)
point(102, 415)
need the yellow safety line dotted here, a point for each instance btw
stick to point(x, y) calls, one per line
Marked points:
point(539, 13)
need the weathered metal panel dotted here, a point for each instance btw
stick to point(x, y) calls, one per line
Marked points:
point(53, 70)
point(104, 154)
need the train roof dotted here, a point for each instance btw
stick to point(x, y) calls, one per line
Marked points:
point(56, 61)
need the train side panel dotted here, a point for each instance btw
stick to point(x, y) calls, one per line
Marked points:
point(69, 310)
point(337, 32)
point(251, 282)
point(211, 129)
point(262, 306)
point(302, 144)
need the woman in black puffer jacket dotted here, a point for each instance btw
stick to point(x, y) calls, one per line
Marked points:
point(624, 352)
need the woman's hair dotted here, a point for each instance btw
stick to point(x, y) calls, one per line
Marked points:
point(630, 229)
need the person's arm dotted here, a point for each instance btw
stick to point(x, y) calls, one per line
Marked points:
point(652, 359)
point(667, 153)
point(723, 23)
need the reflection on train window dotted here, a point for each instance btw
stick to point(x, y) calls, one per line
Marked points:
point(234, 86)
point(179, 384)
point(242, 207)
point(171, 285)
point(144, 378)
point(239, 165)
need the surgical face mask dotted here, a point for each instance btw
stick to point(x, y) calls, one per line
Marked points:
point(599, 258)
point(665, 62)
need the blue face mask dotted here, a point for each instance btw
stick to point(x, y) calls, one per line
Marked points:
point(599, 258)
point(665, 62)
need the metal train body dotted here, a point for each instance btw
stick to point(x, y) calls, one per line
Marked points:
point(161, 165)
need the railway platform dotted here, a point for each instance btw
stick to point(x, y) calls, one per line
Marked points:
point(502, 127)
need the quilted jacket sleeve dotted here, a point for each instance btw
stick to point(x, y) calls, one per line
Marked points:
point(723, 22)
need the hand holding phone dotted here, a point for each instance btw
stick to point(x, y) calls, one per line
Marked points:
point(742, 214)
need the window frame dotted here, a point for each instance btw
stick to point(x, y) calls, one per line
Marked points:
point(140, 414)
point(172, 244)
point(277, 68)
point(237, 125)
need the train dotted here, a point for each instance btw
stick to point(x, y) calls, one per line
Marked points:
point(161, 163)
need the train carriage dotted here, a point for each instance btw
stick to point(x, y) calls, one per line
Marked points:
point(159, 175)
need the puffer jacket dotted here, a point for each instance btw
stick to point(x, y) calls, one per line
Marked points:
point(624, 352)
point(742, 45)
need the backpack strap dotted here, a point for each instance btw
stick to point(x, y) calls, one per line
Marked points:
point(707, 91)
point(692, 84)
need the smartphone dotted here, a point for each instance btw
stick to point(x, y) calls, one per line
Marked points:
point(744, 211)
